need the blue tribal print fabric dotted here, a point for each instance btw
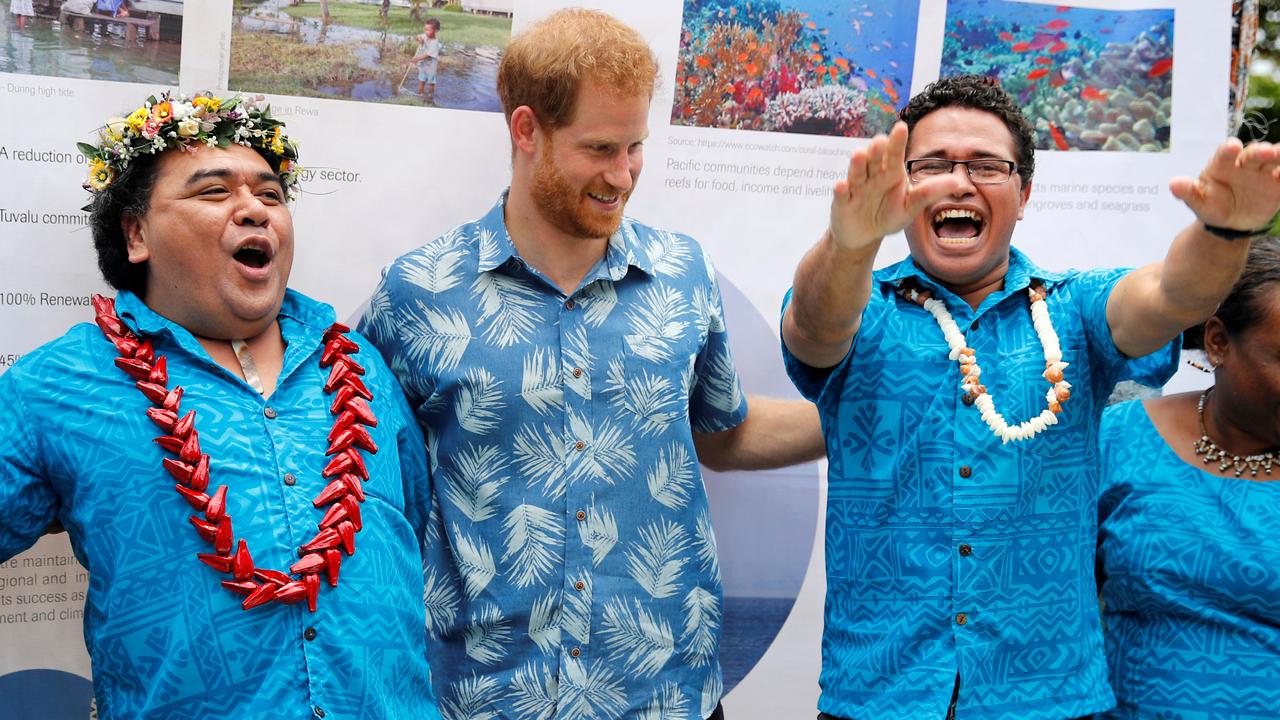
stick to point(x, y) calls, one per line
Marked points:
point(1192, 581)
point(165, 639)
point(949, 554)
point(572, 571)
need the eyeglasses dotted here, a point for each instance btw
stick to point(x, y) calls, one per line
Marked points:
point(983, 171)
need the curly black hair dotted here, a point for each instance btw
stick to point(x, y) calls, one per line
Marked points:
point(978, 92)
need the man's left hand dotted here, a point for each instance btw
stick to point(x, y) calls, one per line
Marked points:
point(1238, 189)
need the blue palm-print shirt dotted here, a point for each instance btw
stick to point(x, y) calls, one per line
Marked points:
point(948, 553)
point(572, 570)
point(165, 639)
point(1191, 562)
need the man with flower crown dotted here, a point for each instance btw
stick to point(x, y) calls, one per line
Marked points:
point(206, 391)
point(960, 536)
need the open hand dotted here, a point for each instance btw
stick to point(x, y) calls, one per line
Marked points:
point(877, 198)
point(1238, 189)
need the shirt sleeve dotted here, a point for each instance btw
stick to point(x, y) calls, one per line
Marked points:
point(716, 399)
point(812, 382)
point(28, 501)
point(392, 311)
point(1111, 366)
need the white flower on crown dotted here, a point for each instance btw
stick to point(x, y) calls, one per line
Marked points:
point(182, 110)
point(189, 127)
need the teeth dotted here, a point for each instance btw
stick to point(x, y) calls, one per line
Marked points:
point(956, 214)
point(603, 198)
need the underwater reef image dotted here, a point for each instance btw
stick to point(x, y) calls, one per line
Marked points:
point(1087, 79)
point(820, 67)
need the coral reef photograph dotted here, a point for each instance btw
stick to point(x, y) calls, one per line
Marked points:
point(371, 50)
point(1087, 79)
point(820, 67)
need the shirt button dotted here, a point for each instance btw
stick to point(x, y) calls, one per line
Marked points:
point(973, 325)
point(965, 471)
point(579, 585)
point(966, 550)
point(290, 478)
point(579, 445)
point(569, 305)
point(577, 372)
point(961, 618)
point(318, 711)
point(309, 633)
point(581, 515)
point(575, 652)
point(270, 412)
point(967, 399)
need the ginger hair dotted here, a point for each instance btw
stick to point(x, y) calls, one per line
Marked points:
point(545, 66)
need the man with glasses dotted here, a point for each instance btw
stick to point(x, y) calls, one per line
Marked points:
point(961, 390)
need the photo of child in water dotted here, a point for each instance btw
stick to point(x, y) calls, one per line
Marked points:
point(370, 51)
point(136, 41)
point(820, 67)
point(1087, 79)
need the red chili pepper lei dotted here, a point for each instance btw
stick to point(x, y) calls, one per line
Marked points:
point(340, 500)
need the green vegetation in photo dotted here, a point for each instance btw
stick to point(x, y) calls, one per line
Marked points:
point(455, 28)
point(283, 66)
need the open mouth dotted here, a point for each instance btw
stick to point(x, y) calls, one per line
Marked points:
point(606, 199)
point(252, 257)
point(957, 224)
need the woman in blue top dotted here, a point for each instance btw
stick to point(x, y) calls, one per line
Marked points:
point(1189, 525)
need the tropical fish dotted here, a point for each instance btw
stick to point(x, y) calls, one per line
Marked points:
point(1042, 60)
point(883, 105)
point(811, 25)
point(1021, 47)
point(871, 73)
point(1057, 24)
point(1037, 73)
point(1160, 67)
point(1093, 94)
point(1044, 40)
point(844, 64)
point(815, 47)
point(893, 64)
point(1056, 47)
point(1058, 138)
point(1006, 36)
point(816, 58)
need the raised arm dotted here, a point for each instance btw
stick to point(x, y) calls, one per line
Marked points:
point(833, 281)
point(1238, 190)
point(775, 433)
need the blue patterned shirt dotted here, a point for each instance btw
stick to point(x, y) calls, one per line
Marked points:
point(165, 639)
point(573, 572)
point(1192, 589)
point(949, 554)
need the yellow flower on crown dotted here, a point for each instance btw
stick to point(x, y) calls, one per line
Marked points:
point(210, 103)
point(276, 144)
point(162, 112)
point(137, 119)
point(100, 175)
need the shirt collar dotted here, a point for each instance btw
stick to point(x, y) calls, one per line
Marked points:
point(1018, 277)
point(623, 252)
point(308, 316)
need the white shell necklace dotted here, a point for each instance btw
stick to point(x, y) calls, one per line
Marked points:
point(1059, 390)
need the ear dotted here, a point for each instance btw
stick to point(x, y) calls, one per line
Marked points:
point(135, 240)
point(524, 129)
point(1025, 194)
point(1217, 341)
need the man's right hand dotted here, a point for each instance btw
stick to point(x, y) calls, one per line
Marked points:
point(877, 198)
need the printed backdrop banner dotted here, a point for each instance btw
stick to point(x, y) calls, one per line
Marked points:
point(760, 103)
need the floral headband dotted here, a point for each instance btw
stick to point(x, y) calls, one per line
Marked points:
point(182, 122)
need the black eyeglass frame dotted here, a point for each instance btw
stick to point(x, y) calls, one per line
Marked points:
point(1013, 168)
